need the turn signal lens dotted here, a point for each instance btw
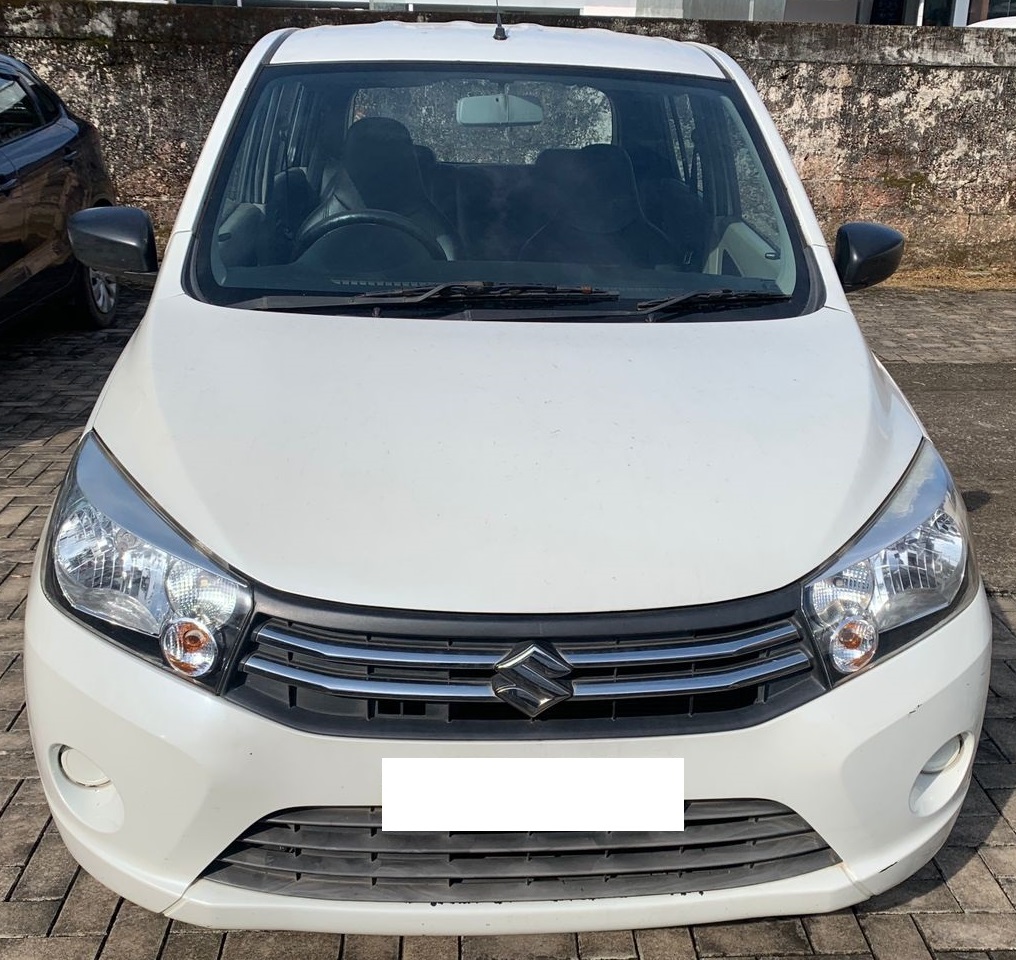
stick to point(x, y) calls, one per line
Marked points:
point(852, 643)
point(189, 647)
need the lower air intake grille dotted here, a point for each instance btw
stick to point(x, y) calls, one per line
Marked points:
point(340, 853)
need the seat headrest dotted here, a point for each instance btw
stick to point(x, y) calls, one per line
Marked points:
point(380, 159)
point(596, 186)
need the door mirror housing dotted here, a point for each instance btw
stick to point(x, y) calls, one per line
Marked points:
point(866, 254)
point(116, 240)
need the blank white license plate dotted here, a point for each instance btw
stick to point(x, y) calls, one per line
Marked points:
point(532, 793)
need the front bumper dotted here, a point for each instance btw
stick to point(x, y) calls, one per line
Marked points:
point(190, 772)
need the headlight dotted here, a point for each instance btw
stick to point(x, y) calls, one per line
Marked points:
point(908, 564)
point(121, 567)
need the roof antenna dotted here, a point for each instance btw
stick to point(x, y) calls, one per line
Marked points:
point(499, 32)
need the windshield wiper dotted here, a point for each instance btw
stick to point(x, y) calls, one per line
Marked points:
point(462, 292)
point(486, 290)
point(702, 301)
point(506, 301)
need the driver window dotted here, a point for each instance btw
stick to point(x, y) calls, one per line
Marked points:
point(267, 192)
point(755, 195)
point(18, 115)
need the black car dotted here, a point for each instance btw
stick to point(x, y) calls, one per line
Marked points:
point(50, 167)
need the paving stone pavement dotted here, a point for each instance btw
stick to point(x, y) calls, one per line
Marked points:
point(952, 326)
point(960, 906)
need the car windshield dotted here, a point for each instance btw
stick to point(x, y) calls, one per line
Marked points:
point(432, 188)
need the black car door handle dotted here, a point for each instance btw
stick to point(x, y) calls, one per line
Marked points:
point(6, 186)
point(70, 155)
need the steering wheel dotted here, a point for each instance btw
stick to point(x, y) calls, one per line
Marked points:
point(378, 218)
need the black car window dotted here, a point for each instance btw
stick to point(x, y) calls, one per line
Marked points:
point(18, 114)
point(47, 101)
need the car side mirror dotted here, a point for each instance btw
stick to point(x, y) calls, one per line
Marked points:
point(116, 240)
point(866, 254)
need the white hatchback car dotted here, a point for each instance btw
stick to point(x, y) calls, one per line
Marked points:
point(998, 23)
point(499, 399)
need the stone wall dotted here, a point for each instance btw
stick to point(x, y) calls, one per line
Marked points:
point(915, 127)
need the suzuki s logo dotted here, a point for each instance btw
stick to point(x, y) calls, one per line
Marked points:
point(529, 679)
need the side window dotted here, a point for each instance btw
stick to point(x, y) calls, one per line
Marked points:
point(47, 101)
point(272, 142)
point(757, 203)
point(302, 134)
point(682, 129)
point(18, 115)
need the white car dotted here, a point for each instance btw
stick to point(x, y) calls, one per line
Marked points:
point(498, 402)
point(996, 23)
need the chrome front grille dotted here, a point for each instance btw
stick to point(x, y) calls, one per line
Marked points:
point(351, 669)
point(487, 677)
point(340, 853)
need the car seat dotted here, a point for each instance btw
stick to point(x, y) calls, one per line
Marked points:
point(598, 217)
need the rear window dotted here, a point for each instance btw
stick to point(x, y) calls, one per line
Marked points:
point(573, 117)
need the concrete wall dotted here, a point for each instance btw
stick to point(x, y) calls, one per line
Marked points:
point(915, 127)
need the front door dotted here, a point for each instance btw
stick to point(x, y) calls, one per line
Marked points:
point(42, 151)
point(13, 270)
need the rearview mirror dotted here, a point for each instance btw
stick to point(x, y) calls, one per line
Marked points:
point(497, 110)
point(866, 254)
point(116, 240)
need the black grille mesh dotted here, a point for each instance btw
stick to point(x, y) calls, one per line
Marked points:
point(340, 853)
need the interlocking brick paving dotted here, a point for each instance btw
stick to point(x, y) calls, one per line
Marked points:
point(951, 326)
point(961, 905)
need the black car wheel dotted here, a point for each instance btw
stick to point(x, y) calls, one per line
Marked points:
point(97, 297)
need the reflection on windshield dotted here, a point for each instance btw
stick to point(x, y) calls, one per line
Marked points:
point(360, 181)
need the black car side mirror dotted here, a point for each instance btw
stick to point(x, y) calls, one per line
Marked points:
point(866, 254)
point(116, 240)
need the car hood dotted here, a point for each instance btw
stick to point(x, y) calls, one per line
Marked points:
point(508, 467)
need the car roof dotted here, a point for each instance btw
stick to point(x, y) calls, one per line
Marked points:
point(460, 42)
point(1001, 23)
point(12, 64)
